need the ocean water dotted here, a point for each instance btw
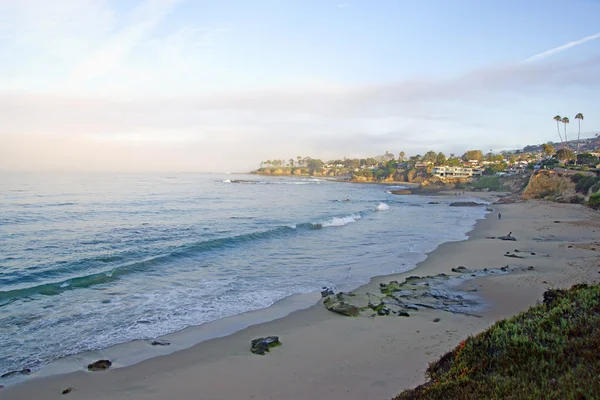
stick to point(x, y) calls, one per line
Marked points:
point(92, 260)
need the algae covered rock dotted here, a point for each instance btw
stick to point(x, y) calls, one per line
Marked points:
point(99, 365)
point(262, 345)
point(338, 304)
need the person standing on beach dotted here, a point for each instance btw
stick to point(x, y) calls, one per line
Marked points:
point(499, 216)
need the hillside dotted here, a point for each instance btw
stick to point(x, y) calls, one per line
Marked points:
point(549, 351)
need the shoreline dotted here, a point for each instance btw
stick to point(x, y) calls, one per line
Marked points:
point(368, 343)
point(130, 353)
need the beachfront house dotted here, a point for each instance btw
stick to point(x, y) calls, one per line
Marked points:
point(456, 172)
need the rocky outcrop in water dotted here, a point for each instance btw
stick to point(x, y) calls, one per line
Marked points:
point(262, 345)
point(99, 365)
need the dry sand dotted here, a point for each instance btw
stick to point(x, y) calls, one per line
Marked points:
point(325, 355)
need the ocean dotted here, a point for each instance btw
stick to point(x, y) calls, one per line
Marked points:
point(89, 261)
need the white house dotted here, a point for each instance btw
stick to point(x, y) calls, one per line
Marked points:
point(456, 172)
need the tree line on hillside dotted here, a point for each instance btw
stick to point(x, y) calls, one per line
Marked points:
point(391, 166)
point(381, 167)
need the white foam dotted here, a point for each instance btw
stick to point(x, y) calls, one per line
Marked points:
point(340, 221)
point(382, 207)
point(227, 181)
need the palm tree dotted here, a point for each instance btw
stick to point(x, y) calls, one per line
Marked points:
point(579, 118)
point(565, 121)
point(558, 119)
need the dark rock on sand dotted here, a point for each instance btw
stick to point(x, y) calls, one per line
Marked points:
point(67, 390)
point(512, 256)
point(160, 342)
point(465, 204)
point(461, 270)
point(403, 314)
point(530, 268)
point(514, 239)
point(24, 371)
point(437, 320)
point(326, 292)
point(433, 202)
point(337, 304)
point(99, 365)
point(262, 345)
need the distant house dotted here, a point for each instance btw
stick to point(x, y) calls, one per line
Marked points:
point(456, 172)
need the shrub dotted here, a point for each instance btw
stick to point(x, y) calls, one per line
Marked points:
point(595, 188)
point(585, 183)
point(577, 177)
point(547, 352)
point(577, 199)
point(488, 182)
point(594, 201)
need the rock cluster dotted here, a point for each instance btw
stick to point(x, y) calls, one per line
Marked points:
point(414, 293)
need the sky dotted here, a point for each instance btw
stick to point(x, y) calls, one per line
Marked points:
point(198, 85)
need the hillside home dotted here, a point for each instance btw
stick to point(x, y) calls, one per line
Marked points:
point(456, 172)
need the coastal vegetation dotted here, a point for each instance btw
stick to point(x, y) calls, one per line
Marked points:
point(491, 183)
point(594, 201)
point(399, 167)
point(536, 171)
point(549, 351)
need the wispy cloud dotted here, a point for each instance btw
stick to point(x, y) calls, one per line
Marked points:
point(562, 48)
point(145, 18)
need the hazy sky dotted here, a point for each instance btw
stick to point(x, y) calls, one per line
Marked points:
point(176, 85)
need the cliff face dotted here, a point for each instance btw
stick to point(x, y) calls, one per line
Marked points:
point(550, 185)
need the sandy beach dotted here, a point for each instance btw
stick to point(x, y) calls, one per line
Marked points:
point(326, 355)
